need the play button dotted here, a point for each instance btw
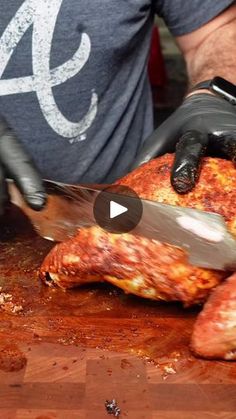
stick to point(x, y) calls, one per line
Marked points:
point(118, 209)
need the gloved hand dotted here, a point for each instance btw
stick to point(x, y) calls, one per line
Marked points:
point(203, 124)
point(17, 165)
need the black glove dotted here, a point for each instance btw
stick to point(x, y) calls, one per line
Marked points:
point(17, 165)
point(203, 124)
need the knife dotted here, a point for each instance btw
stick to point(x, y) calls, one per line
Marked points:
point(203, 235)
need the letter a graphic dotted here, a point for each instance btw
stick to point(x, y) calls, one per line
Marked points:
point(42, 15)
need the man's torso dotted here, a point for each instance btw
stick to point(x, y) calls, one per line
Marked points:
point(73, 83)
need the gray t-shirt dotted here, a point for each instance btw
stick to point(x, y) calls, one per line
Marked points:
point(73, 79)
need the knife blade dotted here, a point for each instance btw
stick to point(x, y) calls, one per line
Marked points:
point(203, 235)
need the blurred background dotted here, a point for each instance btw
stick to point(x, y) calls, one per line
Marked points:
point(167, 73)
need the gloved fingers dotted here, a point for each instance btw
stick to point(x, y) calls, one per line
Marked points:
point(189, 150)
point(21, 169)
point(3, 191)
point(223, 145)
point(161, 141)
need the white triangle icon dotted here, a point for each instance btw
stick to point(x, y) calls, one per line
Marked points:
point(116, 209)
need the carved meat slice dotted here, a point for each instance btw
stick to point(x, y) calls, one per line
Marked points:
point(214, 334)
point(142, 266)
point(139, 266)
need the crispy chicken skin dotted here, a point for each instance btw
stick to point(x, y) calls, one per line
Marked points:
point(141, 266)
point(147, 267)
point(137, 265)
point(214, 334)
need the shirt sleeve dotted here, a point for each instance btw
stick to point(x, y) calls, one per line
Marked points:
point(185, 16)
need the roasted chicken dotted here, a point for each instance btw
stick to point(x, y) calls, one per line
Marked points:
point(152, 269)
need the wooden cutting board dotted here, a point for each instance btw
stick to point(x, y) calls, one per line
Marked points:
point(63, 354)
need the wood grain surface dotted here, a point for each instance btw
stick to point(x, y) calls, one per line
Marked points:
point(63, 354)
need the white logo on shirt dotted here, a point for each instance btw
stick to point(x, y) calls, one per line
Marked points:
point(42, 15)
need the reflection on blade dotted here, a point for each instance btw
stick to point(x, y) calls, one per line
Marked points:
point(203, 235)
point(68, 208)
